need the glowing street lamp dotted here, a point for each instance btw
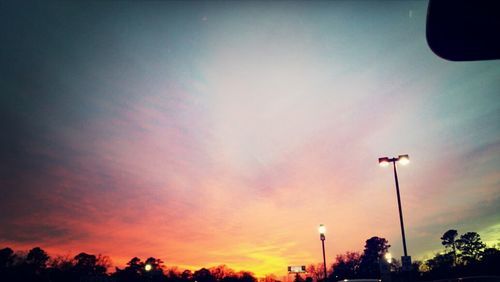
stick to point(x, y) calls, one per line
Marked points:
point(148, 267)
point(322, 231)
point(385, 268)
point(388, 257)
point(404, 160)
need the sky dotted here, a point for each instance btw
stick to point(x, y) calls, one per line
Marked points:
point(208, 133)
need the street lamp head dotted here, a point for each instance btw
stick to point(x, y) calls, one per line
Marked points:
point(383, 161)
point(403, 159)
point(322, 229)
point(148, 267)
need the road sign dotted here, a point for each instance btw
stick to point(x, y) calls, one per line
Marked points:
point(297, 269)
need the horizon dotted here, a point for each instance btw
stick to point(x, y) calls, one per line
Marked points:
point(113, 267)
point(224, 133)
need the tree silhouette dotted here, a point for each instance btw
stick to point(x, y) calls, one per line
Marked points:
point(172, 274)
point(6, 263)
point(470, 247)
point(245, 276)
point(6, 258)
point(346, 266)
point(131, 273)
point(186, 275)
point(298, 278)
point(316, 270)
point(490, 261)
point(375, 249)
point(87, 265)
point(222, 271)
point(470, 258)
point(441, 264)
point(135, 264)
point(155, 273)
point(230, 278)
point(155, 263)
point(37, 258)
point(203, 275)
point(61, 269)
point(271, 278)
point(449, 241)
point(35, 264)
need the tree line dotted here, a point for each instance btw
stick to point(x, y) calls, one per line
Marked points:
point(464, 255)
point(37, 266)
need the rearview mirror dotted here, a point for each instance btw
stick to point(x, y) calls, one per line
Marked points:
point(464, 30)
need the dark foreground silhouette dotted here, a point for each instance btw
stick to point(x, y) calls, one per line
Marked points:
point(463, 256)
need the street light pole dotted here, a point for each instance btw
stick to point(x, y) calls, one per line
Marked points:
point(322, 237)
point(402, 159)
point(400, 209)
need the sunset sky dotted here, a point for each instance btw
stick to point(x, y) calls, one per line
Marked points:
point(207, 133)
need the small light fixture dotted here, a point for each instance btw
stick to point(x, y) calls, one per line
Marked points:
point(383, 161)
point(388, 257)
point(403, 159)
point(322, 229)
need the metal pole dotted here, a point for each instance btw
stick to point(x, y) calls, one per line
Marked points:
point(324, 257)
point(400, 210)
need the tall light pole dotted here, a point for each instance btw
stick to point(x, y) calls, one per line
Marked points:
point(322, 231)
point(402, 159)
